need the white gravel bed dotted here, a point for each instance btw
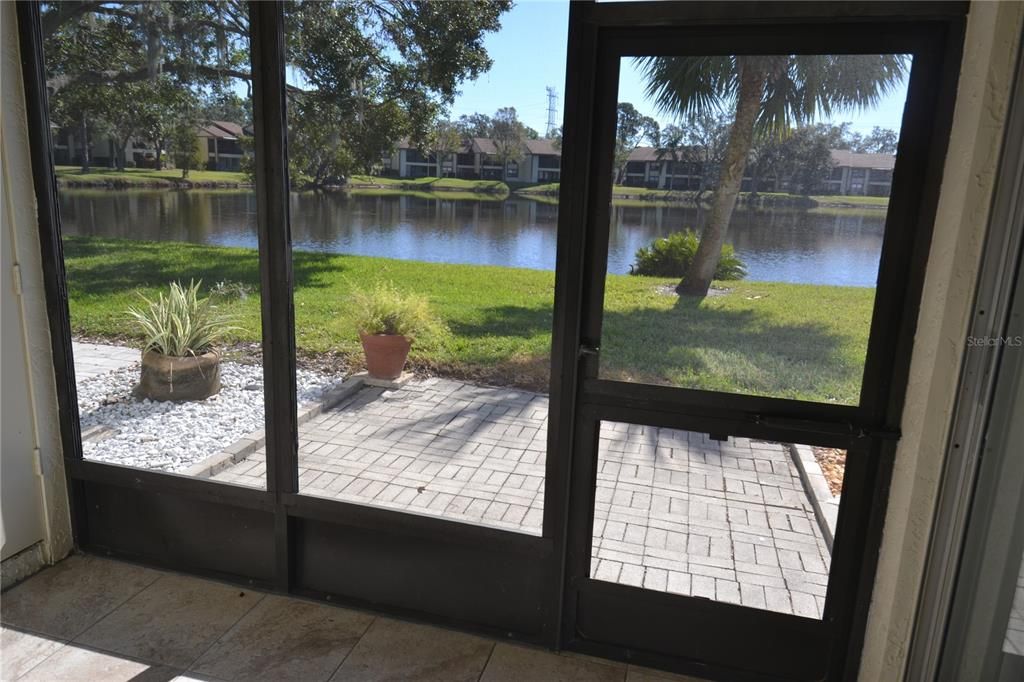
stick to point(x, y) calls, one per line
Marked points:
point(172, 436)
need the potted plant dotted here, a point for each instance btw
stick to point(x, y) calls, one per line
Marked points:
point(178, 359)
point(388, 323)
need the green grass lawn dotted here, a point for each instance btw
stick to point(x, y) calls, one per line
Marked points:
point(429, 184)
point(852, 200)
point(145, 176)
point(796, 341)
point(551, 188)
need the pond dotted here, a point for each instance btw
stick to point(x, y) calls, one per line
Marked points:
point(782, 245)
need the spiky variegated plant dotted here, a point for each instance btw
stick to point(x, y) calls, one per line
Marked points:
point(180, 324)
point(773, 93)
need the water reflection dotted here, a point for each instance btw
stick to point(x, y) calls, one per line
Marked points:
point(777, 245)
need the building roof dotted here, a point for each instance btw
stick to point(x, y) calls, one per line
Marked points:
point(225, 130)
point(843, 157)
point(484, 145)
point(542, 147)
point(644, 154)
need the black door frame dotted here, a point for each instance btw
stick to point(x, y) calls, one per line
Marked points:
point(477, 578)
point(661, 629)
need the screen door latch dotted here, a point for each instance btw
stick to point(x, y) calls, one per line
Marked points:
point(588, 351)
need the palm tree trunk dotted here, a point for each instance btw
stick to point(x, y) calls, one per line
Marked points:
point(86, 161)
point(753, 76)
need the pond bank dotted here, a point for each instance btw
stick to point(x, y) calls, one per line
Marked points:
point(641, 196)
point(796, 341)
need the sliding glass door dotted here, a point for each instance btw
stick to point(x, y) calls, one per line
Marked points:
point(630, 386)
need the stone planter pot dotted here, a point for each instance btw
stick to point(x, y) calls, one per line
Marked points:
point(186, 378)
point(385, 354)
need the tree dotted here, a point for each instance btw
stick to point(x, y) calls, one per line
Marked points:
point(391, 62)
point(375, 134)
point(804, 159)
point(799, 160)
point(358, 61)
point(632, 130)
point(316, 147)
point(74, 49)
point(508, 133)
point(556, 137)
point(879, 141)
point(183, 143)
point(766, 93)
point(162, 111)
point(227, 106)
point(442, 141)
point(706, 138)
point(475, 125)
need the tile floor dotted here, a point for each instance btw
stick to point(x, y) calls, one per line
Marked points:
point(92, 619)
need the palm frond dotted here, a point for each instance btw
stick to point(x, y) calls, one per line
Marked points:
point(798, 89)
point(690, 86)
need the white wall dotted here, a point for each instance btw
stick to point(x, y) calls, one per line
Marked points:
point(993, 35)
point(34, 504)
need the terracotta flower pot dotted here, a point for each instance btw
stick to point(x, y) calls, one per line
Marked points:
point(187, 378)
point(385, 354)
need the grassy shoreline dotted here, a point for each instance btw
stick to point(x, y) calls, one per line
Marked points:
point(644, 196)
point(451, 188)
point(72, 176)
point(427, 184)
point(790, 340)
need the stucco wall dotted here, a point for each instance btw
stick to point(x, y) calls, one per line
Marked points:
point(993, 34)
point(39, 505)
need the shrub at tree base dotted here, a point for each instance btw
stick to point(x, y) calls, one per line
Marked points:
point(671, 257)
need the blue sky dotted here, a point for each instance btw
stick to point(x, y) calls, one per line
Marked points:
point(529, 54)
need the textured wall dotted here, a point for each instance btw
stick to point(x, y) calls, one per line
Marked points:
point(37, 388)
point(993, 33)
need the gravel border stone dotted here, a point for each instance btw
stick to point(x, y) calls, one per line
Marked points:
point(119, 428)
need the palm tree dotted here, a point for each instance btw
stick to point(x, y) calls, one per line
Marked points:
point(771, 93)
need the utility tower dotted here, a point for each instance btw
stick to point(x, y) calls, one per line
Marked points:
point(552, 110)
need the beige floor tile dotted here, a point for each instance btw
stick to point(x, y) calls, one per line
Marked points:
point(517, 663)
point(22, 651)
point(173, 621)
point(76, 664)
point(285, 639)
point(395, 650)
point(638, 674)
point(63, 600)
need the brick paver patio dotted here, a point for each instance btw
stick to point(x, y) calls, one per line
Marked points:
point(93, 359)
point(674, 511)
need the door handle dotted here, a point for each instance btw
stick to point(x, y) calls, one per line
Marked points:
point(588, 351)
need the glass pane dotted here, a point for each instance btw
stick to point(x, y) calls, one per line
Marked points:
point(785, 181)
point(150, 119)
point(740, 521)
point(407, 221)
